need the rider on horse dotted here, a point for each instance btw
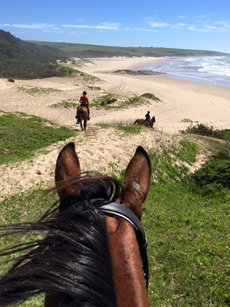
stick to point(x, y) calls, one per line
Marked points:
point(147, 116)
point(85, 102)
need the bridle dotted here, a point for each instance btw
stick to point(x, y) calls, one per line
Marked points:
point(116, 209)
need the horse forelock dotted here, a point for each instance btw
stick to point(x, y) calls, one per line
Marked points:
point(73, 258)
point(88, 186)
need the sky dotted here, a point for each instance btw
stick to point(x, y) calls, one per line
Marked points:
point(187, 24)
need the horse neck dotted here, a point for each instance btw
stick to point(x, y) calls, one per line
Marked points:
point(129, 284)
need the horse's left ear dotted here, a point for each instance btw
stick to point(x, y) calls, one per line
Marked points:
point(137, 181)
point(67, 165)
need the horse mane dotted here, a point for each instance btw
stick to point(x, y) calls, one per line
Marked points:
point(72, 258)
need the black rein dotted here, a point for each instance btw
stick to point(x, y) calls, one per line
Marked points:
point(118, 210)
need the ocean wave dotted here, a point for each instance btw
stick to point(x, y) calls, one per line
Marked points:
point(209, 69)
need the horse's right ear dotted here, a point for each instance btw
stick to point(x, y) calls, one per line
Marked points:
point(137, 181)
point(67, 165)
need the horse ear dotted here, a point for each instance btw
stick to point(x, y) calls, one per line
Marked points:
point(137, 181)
point(67, 165)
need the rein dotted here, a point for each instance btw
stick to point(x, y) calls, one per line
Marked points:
point(118, 210)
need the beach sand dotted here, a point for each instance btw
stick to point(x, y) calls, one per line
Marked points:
point(108, 150)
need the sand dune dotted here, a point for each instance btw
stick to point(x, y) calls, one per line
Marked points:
point(107, 150)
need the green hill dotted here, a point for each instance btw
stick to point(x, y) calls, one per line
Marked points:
point(21, 59)
point(33, 59)
point(94, 51)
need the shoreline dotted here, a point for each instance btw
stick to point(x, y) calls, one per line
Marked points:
point(139, 63)
point(181, 100)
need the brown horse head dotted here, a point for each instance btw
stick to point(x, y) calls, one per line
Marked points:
point(129, 285)
point(85, 257)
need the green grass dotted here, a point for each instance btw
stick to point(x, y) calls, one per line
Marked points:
point(205, 130)
point(93, 51)
point(225, 134)
point(81, 63)
point(188, 233)
point(188, 249)
point(25, 207)
point(169, 165)
point(21, 135)
point(94, 88)
point(111, 101)
point(85, 77)
point(67, 104)
point(127, 129)
point(150, 96)
point(37, 90)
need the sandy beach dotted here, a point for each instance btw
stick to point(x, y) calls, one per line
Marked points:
point(107, 150)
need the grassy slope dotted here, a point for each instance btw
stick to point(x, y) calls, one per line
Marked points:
point(188, 234)
point(21, 135)
point(84, 50)
point(21, 59)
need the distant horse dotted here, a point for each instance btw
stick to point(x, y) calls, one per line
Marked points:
point(145, 122)
point(82, 115)
point(93, 249)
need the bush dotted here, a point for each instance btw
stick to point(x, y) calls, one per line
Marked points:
point(215, 172)
point(150, 96)
point(109, 101)
point(11, 80)
point(202, 129)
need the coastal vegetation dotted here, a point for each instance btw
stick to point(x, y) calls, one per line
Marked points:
point(112, 101)
point(33, 59)
point(205, 130)
point(66, 104)
point(94, 51)
point(21, 135)
point(184, 216)
point(127, 129)
point(37, 90)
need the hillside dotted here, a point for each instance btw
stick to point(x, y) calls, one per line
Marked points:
point(33, 59)
point(95, 51)
point(25, 60)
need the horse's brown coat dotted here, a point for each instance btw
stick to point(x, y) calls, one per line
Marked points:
point(129, 284)
point(82, 116)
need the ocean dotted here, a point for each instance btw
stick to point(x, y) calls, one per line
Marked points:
point(213, 70)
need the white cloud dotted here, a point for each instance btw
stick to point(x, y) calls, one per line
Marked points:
point(217, 26)
point(159, 24)
point(145, 30)
point(181, 17)
point(202, 16)
point(192, 28)
point(101, 26)
point(179, 26)
point(52, 31)
point(28, 26)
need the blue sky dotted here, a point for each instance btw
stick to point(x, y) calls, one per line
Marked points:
point(188, 24)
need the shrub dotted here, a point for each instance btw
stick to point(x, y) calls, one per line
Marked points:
point(202, 129)
point(109, 101)
point(215, 172)
point(11, 80)
point(150, 96)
